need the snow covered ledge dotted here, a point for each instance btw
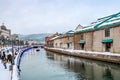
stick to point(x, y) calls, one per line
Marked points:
point(16, 66)
point(15, 72)
point(102, 56)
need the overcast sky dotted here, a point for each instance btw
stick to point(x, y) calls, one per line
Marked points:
point(49, 16)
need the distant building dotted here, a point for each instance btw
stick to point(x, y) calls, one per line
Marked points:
point(65, 40)
point(4, 31)
point(48, 41)
point(31, 42)
point(4, 35)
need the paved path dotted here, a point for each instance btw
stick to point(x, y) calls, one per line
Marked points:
point(5, 74)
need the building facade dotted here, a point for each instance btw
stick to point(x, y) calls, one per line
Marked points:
point(5, 35)
point(64, 41)
point(83, 40)
point(103, 35)
point(4, 31)
point(49, 41)
point(107, 39)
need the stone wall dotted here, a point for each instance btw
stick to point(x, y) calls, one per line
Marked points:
point(99, 35)
point(89, 41)
point(87, 37)
point(97, 38)
point(63, 41)
point(57, 43)
point(76, 40)
point(101, 57)
point(116, 39)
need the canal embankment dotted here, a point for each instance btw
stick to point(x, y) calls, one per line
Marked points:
point(16, 67)
point(102, 56)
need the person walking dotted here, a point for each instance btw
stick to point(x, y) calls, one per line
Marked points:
point(9, 57)
point(0, 55)
point(4, 62)
point(4, 54)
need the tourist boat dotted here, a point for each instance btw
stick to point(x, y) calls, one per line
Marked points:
point(37, 49)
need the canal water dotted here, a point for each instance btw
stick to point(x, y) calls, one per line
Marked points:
point(44, 65)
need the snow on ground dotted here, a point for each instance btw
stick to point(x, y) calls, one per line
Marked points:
point(5, 74)
point(88, 52)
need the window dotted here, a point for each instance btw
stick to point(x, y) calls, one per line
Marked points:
point(81, 36)
point(107, 32)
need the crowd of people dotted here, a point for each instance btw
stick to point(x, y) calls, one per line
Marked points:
point(7, 57)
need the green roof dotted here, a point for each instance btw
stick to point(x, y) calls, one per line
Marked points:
point(107, 41)
point(70, 32)
point(106, 20)
point(101, 23)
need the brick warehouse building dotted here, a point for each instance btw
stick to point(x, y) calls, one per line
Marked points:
point(48, 41)
point(103, 35)
point(65, 40)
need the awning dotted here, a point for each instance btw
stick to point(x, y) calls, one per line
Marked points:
point(107, 41)
point(81, 42)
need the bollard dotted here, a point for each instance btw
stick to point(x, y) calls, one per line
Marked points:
point(10, 67)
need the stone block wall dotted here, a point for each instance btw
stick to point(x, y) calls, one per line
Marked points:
point(97, 38)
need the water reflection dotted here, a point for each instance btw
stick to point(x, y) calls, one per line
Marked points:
point(107, 74)
point(87, 69)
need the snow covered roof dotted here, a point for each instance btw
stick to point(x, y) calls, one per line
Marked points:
point(105, 22)
point(70, 32)
point(55, 37)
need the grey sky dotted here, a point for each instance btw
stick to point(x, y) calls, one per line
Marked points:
point(43, 16)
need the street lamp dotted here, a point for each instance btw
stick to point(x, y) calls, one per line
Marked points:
point(12, 50)
point(7, 42)
point(17, 41)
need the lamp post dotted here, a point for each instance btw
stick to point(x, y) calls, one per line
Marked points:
point(7, 42)
point(12, 52)
point(17, 41)
point(0, 41)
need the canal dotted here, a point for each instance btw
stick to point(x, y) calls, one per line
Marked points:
point(44, 65)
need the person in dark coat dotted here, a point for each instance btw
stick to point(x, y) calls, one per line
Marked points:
point(9, 58)
point(4, 54)
point(0, 56)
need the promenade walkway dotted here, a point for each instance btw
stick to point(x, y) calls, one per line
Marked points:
point(5, 74)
